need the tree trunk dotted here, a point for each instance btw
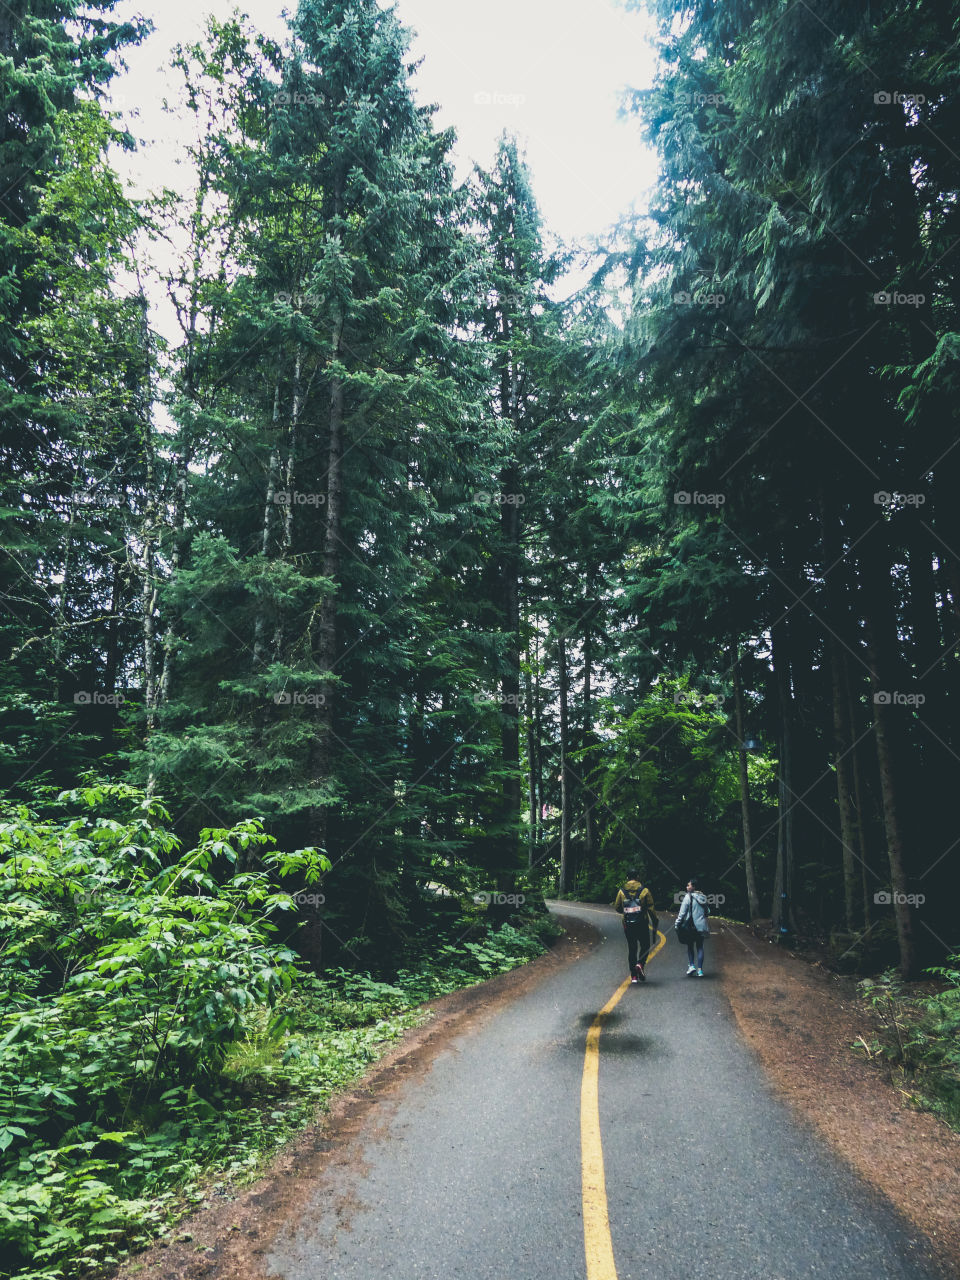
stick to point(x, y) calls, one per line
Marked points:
point(538, 736)
point(510, 588)
point(589, 833)
point(881, 634)
point(753, 897)
point(531, 771)
point(327, 638)
point(836, 598)
point(266, 528)
point(563, 681)
point(851, 854)
point(784, 919)
point(289, 471)
point(859, 794)
point(176, 559)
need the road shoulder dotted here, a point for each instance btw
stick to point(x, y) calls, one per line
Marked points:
point(801, 1020)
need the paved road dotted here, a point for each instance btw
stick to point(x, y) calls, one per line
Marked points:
point(475, 1169)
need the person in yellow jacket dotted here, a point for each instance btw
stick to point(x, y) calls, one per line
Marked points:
point(635, 903)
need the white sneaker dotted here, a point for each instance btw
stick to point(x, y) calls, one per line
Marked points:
point(692, 969)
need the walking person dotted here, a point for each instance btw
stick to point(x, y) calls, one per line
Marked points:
point(635, 903)
point(692, 927)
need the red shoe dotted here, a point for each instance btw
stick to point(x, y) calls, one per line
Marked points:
point(640, 973)
point(634, 980)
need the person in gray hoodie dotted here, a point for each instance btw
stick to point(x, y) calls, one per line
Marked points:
point(694, 908)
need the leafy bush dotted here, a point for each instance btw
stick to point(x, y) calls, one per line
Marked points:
point(920, 1035)
point(127, 970)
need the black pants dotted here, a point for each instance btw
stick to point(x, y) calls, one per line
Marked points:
point(638, 941)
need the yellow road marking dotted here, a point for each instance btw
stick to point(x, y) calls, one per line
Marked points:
point(597, 1242)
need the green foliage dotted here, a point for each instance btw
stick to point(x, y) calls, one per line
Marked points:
point(920, 1036)
point(667, 779)
point(128, 969)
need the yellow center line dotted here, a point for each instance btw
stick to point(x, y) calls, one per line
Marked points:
point(597, 1242)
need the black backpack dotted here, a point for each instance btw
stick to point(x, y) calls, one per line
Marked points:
point(632, 906)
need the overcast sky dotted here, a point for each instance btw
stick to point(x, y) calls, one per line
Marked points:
point(549, 70)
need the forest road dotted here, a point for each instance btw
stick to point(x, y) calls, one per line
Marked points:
point(489, 1165)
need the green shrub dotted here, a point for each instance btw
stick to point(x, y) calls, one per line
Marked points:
point(920, 1036)
point(127, 970)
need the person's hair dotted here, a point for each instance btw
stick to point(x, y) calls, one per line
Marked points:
point(633, 874)
point(695, 881)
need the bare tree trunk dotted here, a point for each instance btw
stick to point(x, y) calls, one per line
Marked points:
point(266, 528)
point(63, 600)
point(838, 609)
point(289, 471)
point(564, 781)
point(851, 853)
point(883, 736)
point(538, 735)
point(148, 605)
point(589, 835)
point(881, 634)
point(113, 633)
point(510, 589)
point(784, 919)
point(753, 897)
point(859, 794)
point(327, 637)
point(176, 559)
point(531, 770)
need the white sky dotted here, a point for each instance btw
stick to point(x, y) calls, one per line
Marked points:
point(548, 70)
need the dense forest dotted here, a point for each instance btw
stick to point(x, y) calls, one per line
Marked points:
point(460, 584)
point(450, 585)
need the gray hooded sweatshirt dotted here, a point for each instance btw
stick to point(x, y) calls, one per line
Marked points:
point(695, 905)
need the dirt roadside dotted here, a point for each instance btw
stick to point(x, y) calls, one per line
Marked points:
point(800, 1020)
point(229, 1236)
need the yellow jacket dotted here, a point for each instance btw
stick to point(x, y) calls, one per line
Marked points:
point(646, 902)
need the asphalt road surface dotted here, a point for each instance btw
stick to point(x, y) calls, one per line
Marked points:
point(476, 1169)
